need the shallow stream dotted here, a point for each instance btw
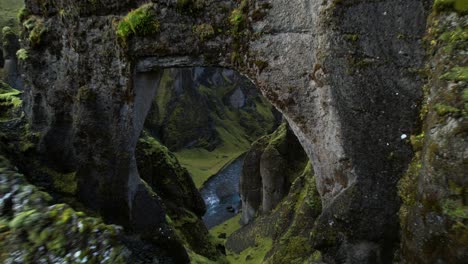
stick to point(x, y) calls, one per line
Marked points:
point(221, 194)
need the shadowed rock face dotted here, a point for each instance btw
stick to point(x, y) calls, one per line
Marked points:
point(339, 72)
point(270, 167)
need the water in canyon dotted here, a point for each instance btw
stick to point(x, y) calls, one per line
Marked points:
point(221, 194)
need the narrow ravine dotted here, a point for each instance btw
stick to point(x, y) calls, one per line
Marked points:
point(221, 194)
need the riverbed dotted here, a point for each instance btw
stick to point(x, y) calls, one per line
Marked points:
point(221, 194)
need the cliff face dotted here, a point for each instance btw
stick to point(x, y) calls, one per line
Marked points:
point(344, 74)
point(435, 212)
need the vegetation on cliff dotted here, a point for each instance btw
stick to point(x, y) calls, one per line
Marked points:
point(32, 230)
point(435, 182)
point(139, 22)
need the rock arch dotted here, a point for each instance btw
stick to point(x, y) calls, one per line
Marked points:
point(344, 81)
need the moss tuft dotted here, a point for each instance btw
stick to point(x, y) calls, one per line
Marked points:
point(22, 54)
point(443, 109)
point(139, 22)
point(10, 102)
point(37, 33)
point(456, 74)
point(65, 183)
point(417, 141)
point(23, 14)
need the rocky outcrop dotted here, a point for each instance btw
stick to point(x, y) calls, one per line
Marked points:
point(287, 226)
point(434, 214)
point(270, 167)
point(32, 230)
point(180, 198)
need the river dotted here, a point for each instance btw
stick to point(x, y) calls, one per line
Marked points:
point(221, 192)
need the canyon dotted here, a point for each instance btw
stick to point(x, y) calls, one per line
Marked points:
point(368, 164)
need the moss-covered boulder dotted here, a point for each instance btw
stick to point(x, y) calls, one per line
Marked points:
point(32, 230)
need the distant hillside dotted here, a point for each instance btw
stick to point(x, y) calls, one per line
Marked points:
point(8, 13)
point(208, 117)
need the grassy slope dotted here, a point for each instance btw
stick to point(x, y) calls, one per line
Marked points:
point(8, 11)
point(203, 164)
point(252, 255)
point(227, 227)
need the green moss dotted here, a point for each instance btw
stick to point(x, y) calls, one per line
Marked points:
point(37, 33)
point(253, 255)
point(9, 95)
point(295, 250)
point(237, 19)
point(443, 109)
point(65, 183)
point(417, 141)
point(204, 31)
point(187, 218)
point(455, 209)
point(139, 22)
point(456, 74)
point(451, 5)
point(199, 259)
point(24, 219)
point(351, 37)
point(22, 54)
point(23, 14)
point(7, 31)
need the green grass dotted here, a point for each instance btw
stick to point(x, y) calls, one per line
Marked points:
point(253, 255)
point(203, 164)
point(228, 227)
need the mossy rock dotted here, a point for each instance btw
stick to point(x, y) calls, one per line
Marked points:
point(139, 22)
point(10, 102)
